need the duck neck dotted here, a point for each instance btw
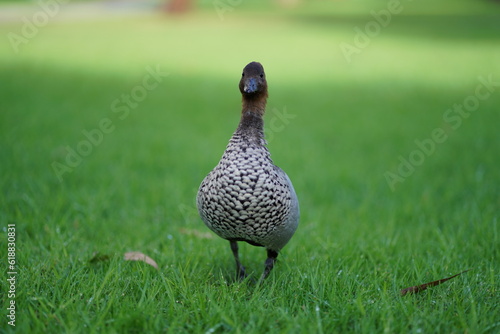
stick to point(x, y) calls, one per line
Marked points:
point(252, 123)
point(254, 104)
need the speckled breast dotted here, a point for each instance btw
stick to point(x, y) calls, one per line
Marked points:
point(245, 197)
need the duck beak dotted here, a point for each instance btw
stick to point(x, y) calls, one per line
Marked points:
point(250, 86)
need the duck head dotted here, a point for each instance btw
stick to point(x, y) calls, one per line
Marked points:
point(253, 82)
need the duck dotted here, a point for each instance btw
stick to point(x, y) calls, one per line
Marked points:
point(246, 198)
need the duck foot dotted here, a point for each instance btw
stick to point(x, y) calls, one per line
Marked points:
point(240, 270)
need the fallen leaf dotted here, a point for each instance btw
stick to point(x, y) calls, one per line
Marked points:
point(138, 256)
point(422, 287)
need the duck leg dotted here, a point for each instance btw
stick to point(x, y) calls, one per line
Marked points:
point(269, 264)
point(240, 270)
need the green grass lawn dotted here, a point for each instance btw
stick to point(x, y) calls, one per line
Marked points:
point(396, 186)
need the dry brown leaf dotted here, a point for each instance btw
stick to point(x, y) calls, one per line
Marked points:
point(138, 256)
point(422, 287)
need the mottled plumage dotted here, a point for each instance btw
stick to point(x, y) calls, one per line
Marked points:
point(246, 197)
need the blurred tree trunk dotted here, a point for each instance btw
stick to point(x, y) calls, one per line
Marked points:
point(178, 6)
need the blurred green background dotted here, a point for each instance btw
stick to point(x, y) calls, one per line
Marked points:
point(336, 122)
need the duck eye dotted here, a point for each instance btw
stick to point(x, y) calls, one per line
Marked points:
point(243, 74)
point(262, 75)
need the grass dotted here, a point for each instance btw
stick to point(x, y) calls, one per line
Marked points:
point(359, 242)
